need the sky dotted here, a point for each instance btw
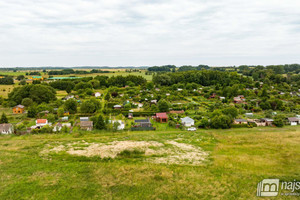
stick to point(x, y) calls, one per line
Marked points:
point(148, 32)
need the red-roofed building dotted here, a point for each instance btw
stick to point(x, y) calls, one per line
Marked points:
point(41, 122)
point(161, 117)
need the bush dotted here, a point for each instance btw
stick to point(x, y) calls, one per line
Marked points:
point(239, 126)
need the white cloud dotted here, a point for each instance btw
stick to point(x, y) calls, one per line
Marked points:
point(132, 32)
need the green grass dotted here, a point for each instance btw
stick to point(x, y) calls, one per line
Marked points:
point(239, 159)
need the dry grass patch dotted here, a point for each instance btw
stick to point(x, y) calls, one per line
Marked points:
point(170, 152)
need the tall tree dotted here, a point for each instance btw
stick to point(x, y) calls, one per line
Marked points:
point(3, 119)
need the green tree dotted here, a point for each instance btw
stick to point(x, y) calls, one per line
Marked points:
point(231, 111)
point(32, 111)
point(60, 112)
point(87, 107)
point(221, 121)
point(51, 118)
point(100, 123)
point(279, 120)
point(27, 102)
point(71, 106)
point(107, 96)
point(163, 106)
point(3, 119)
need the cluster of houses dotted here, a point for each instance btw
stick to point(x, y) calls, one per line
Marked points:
point(293, 121)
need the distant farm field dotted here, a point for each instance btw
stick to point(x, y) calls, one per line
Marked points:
point(5, 89)
point(206, 164)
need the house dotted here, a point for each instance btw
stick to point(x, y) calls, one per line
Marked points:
point(82, 119)
point(41, 122)
point(222, 98)
point(37, 78)
point(117, 107)
point(239, 99)
point(6, 129)
point(167, 94)
point(29, 80)
point(153, 101)
point(187, 121)
point(86, 125)
point(69, 97)
point(121, 124)
point(249, 114)
point(267, 121)
point(161, 117)
point(57, 127)
point(66, 113)
point(97, 94)
point(64, 118)
point(176, 112)
point(179, 89)
point(143, 122)
point(240, 121)
point(18, 109)
point(293, 121)
point(130, 115)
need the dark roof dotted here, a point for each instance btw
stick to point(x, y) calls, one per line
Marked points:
point(267, 119)
point(142, 121)
point(240, 120)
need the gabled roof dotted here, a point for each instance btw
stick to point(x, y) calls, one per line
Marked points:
point(187, 119)
point(161, 115)
point(41, 121)
point(19, 106)
point(5, 127)
point(293, 119)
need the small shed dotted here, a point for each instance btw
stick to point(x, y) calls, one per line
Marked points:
point(86, 125)
point(82, 119)
point(161, 117)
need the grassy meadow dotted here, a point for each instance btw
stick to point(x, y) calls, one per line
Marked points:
point(237, 160)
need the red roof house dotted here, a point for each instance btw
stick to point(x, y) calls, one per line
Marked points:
point(161, 117)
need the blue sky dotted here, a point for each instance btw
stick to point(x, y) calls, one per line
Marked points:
point(147, 33)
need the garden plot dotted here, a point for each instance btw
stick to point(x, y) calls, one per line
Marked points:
point(168, 152)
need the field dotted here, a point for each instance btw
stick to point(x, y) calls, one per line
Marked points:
point(206, 164)
point(114, 72)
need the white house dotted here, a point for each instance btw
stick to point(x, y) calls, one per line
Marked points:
point(84, 119)
point(121, 124)
point(6, 129)
point(294, 121)
point(97, 94)
point(187, 122)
